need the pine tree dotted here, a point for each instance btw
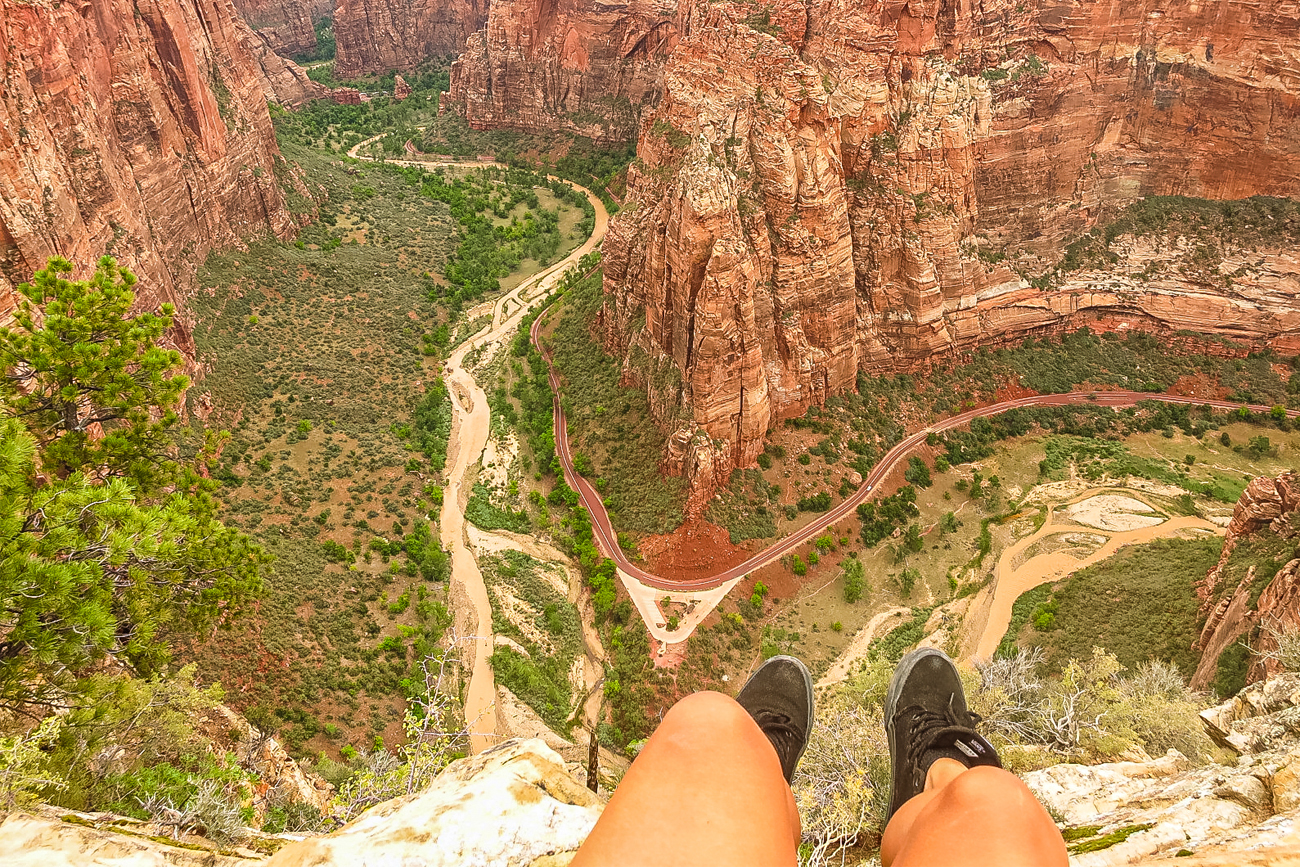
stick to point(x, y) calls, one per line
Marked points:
point(77, 359)
point(108, 545)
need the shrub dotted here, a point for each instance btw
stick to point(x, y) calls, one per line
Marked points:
point(917, 473)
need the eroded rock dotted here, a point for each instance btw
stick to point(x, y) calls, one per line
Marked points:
point(510, 805)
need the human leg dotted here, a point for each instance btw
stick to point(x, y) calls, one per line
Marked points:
point(709, 787)
point(972, 817)
point(951, 801)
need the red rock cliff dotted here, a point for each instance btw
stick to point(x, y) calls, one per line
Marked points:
point(382, 35)
point(542, 65)
point(815, 189)
point(138, 128)
point(1267, 505)
point(287, 26)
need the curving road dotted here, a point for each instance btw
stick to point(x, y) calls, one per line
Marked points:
point(607, 539)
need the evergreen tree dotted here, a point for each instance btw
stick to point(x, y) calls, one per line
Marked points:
point(107, 544)
point(77, 359)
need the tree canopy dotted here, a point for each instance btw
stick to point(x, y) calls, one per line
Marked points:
point(108, 544)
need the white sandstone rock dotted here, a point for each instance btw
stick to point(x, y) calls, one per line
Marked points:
point(506, 807)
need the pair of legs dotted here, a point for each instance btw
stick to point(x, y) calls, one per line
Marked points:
point(709, 788)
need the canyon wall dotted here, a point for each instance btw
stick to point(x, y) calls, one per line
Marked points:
point(376, 36)
point(831, 186)
point(540, 66)
point(288, 27)
point(137, 128)
point(1268, 506)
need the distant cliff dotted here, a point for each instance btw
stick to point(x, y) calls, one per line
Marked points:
point(376, 36)
point(134, 128)
point(590, 70)
point(827, 187)
point(289, 28)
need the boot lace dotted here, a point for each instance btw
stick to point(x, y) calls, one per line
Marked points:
point(779, 730)
point(928, 726)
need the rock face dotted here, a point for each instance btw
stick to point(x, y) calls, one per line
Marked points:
point(828, 187)
point(287, 27)
point(134, 128)
point(1250, 807)
point(513, 804)
point(276, 770)
point(382, 35)
point(1267, 505)
point(588, 69)
point(61, 838)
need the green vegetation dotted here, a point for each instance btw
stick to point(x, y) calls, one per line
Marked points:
point(111, 548)
point(491, 248)
point(1094, 458)
point(855, 582)
point(1096, 844)
point(1214, 226)
point(528, 610)
point(917, 472)
point(610, 424)
point(1138, 604)
point(901, 638)
point(600, 168)
point(332, 127)
point(481, 511)
point(325, 44)
point(747, 507)
point(880, 518)
point(1022, 613)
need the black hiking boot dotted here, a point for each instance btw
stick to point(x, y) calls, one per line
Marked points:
point(779, 697)
point(926, 719)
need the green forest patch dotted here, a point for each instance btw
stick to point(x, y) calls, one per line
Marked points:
point(1138, 604)
point(612, 433)
point(532, 613)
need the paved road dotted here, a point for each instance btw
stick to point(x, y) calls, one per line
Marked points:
point(607, 539)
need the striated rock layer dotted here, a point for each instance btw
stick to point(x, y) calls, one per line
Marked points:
point(382, 35)
point(134, 128)
point(831, 186)
point(590, 70)
point(288, 27)
point(1268, 505)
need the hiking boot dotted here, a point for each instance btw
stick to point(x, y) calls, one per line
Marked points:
point(926, 719)
point(779, 697)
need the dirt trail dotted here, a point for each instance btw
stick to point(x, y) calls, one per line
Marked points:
point(471, 419)
point(857, 648)
point(1008, 583)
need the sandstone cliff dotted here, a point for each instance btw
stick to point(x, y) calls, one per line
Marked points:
point(590, 70)
point(827, 187)
point(134, 128)
point(1266, 511)
point(1133, 812)
point(288, 27)
point(382, 35)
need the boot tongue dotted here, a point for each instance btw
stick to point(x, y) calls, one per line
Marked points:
point(959, 743)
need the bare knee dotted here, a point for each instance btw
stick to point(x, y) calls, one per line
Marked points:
point(711, 709)
point(983, 787)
